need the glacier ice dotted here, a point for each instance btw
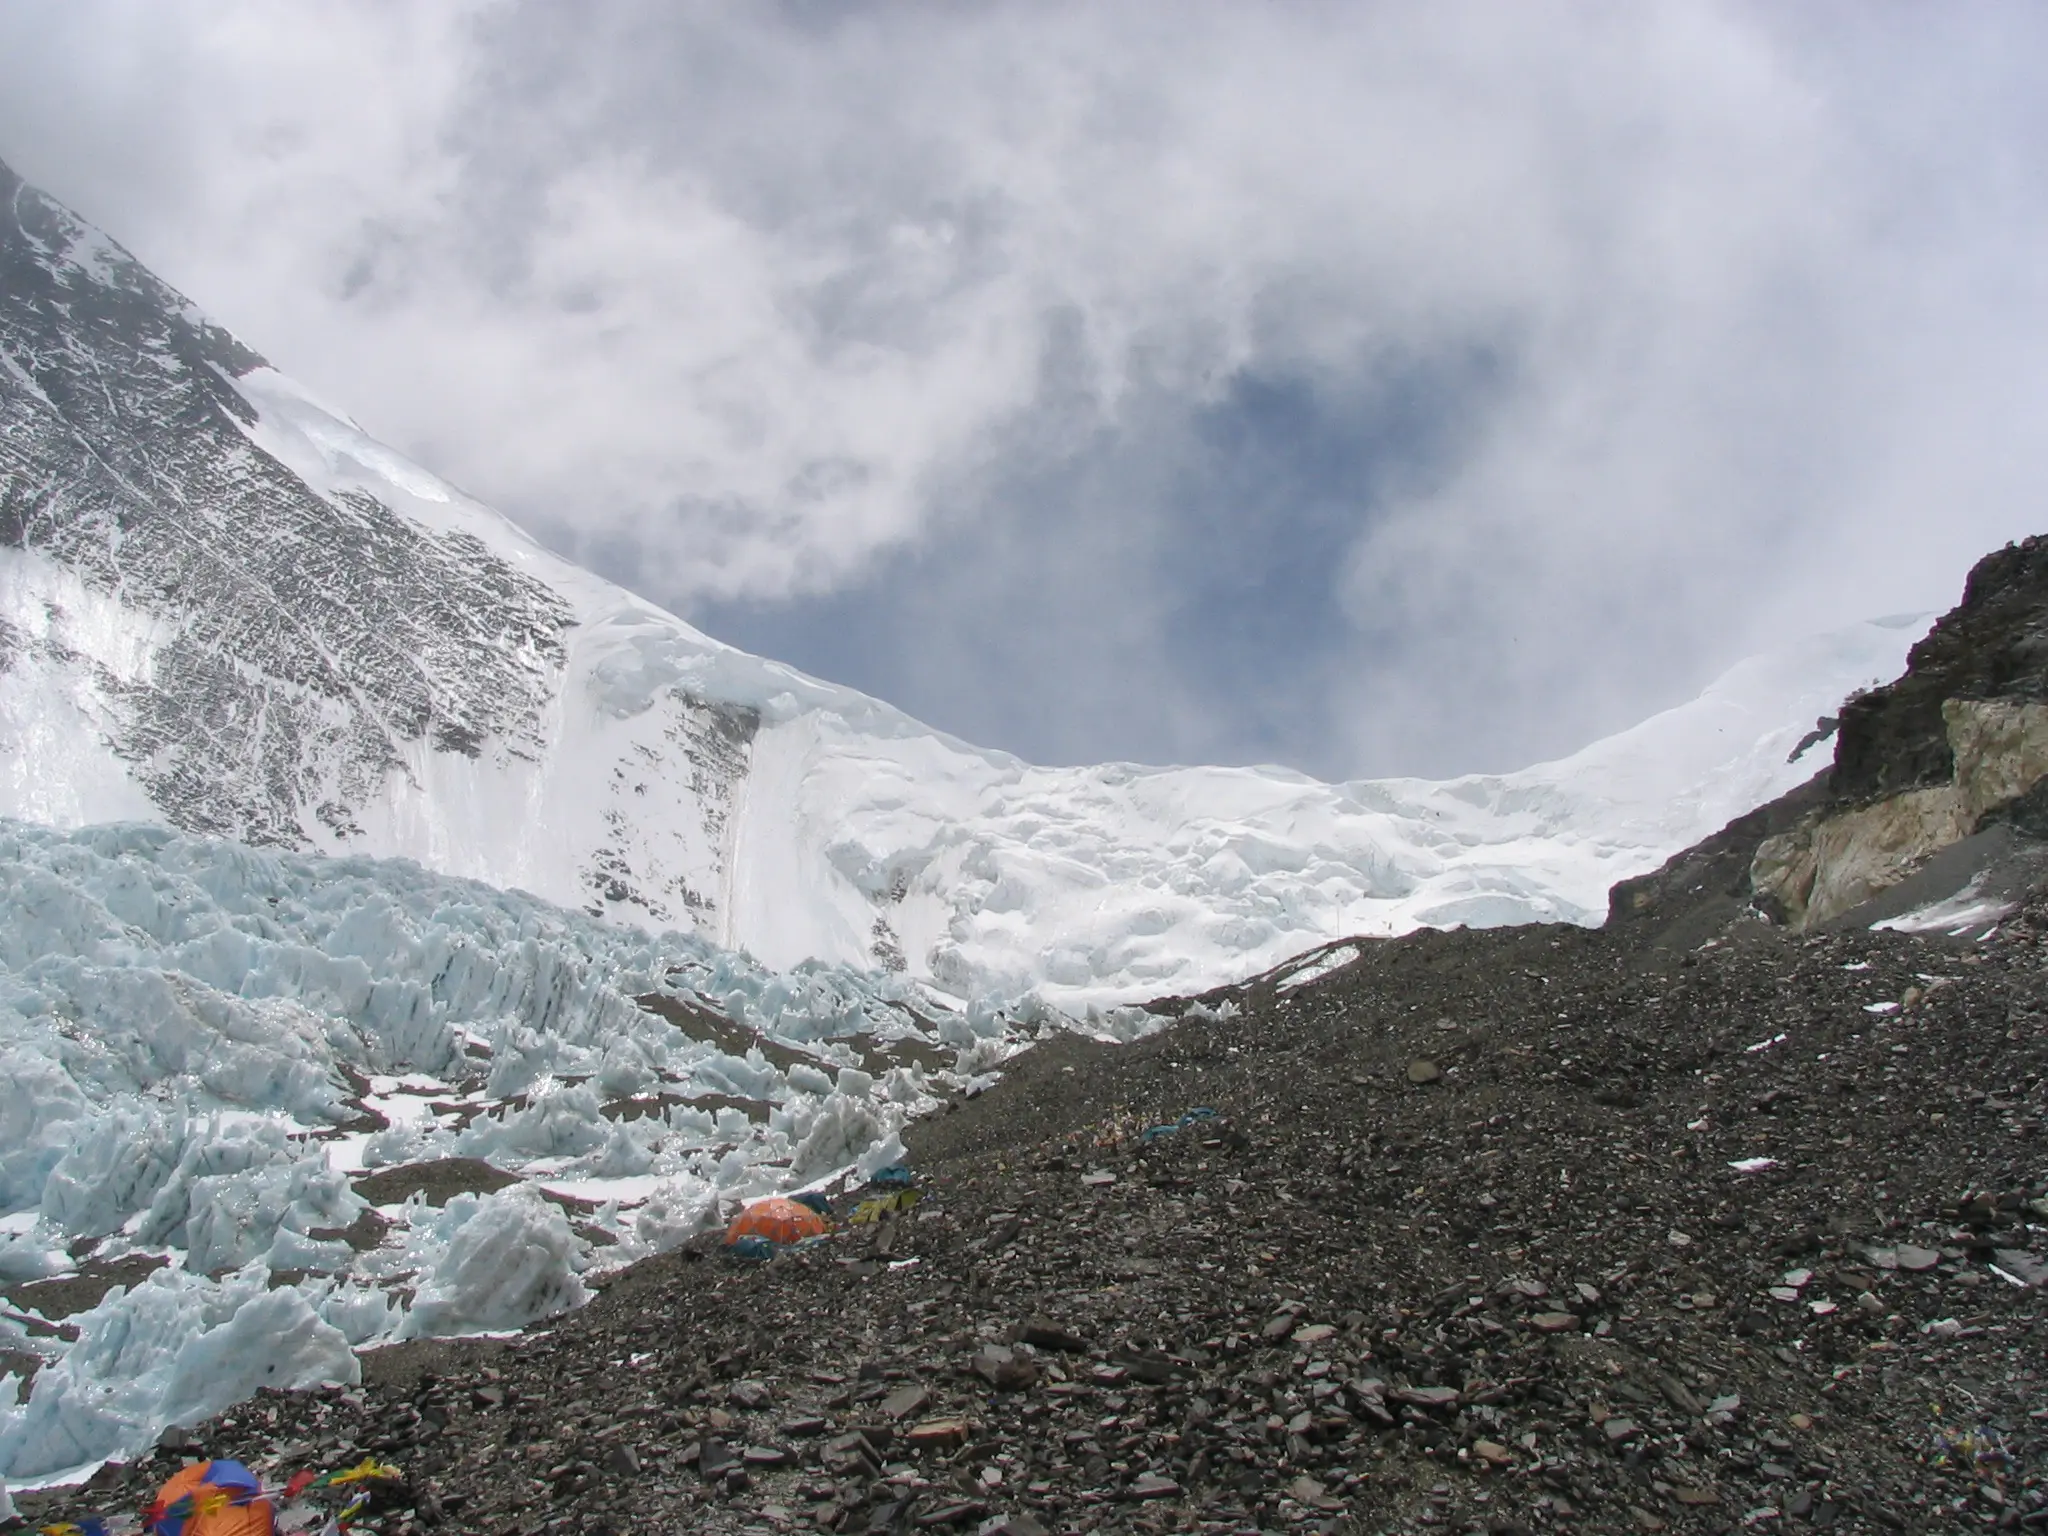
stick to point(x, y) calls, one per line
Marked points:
point(172, 1350)
point(203, 1046)
point(500, 1261)
point(22, 1257)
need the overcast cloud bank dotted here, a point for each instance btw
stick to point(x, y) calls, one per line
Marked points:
point(1368, 388)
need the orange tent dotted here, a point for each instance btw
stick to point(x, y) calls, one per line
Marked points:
point(211, 1498)
point(777, 1219)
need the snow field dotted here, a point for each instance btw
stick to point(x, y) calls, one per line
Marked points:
point(1094, 886)
point(1105, 885)
point(827, 826)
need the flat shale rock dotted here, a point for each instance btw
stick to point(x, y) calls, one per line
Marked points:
point(905, 1401)
point(1042, 1333)
point(935, 1433)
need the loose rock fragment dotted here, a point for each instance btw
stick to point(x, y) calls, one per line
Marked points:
point(905, 1401)
point(1043, 1333)
point(1310, 1491)
point(1153, 1485)
point(1436, 1398)
point(937, 1432)
point(1018, 1523)
point(751, 1396)
point(716, 1458)
point(2022, 1266)
point(1004, 1369)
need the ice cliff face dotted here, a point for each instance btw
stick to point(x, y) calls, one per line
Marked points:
point(225, 609)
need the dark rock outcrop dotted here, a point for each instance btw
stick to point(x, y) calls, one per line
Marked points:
point(1992, 645)
point(1957, 744)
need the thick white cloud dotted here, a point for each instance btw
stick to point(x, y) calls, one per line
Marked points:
point(1739, 315)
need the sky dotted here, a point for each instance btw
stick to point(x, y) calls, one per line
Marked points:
point(1364, 388)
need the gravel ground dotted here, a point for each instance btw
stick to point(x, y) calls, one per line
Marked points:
point(1465, 1242)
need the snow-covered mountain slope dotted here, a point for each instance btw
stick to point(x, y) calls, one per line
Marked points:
point(225, 608)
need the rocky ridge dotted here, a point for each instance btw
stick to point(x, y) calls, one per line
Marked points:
point(1954, 747)
point(302, 642)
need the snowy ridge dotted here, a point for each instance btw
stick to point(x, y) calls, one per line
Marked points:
point(225, 608)
point(840, 828)
point(1102, 883)
point(204, 1048)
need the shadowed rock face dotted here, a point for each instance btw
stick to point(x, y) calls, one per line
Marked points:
point(1958, 742)
point(1957, 745)
point(300, 643)
point(1992, 645)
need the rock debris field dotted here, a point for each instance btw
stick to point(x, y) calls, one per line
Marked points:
point(1527, 1230)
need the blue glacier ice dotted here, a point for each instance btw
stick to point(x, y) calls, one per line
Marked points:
point(199, 1040)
